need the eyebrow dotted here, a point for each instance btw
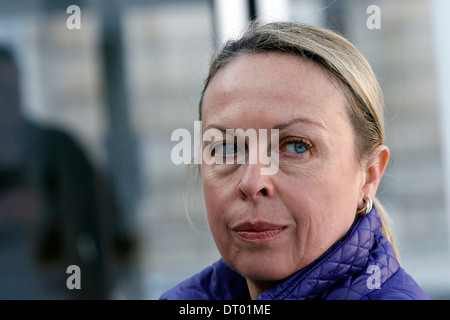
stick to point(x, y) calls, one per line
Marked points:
point(304, 120)
point(216, 126)
point(279, 126)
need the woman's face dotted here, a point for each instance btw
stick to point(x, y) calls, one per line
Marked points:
point(269, 226)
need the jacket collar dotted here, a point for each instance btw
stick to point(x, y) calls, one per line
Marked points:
point(345, 262)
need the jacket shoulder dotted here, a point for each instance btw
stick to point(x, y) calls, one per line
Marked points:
point(400, 286)
point(216, 282)
point(193, 288)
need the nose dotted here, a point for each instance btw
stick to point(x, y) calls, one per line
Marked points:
point(253, 184)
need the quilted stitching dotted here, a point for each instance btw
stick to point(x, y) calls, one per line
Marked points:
point(340, 273)
point(342, 270)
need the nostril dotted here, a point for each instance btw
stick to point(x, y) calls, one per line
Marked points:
point(264, 191)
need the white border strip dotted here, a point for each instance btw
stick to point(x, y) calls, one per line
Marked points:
point(440, 10)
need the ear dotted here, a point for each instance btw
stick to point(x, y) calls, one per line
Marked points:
point(374, 170)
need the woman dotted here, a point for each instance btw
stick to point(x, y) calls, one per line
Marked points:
point(312, 230)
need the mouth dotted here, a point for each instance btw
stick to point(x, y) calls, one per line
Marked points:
point(258, 232)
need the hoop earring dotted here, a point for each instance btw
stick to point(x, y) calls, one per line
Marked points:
point(367, 208)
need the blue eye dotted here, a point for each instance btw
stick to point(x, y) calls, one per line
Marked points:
point(225, 149)
point(229, 148)
point(295, 146)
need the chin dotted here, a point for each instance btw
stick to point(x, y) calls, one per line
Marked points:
point(263, 267)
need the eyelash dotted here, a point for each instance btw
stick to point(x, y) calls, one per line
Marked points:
point(283, 142)
point(219, 145)
point(305, 142)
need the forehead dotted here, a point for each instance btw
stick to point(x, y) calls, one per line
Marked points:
point(271, 87)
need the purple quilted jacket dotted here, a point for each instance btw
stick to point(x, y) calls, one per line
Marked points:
point(362, 266)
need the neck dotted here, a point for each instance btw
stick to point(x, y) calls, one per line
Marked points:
point(257, 287)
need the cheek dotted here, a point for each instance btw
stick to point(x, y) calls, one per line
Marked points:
point(211, 193)
point(322, 202)
point(218, 196)
point(217, 214)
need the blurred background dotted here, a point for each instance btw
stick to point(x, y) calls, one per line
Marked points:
point(89, 97)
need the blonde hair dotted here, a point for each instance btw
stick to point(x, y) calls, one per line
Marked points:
point(339, 59)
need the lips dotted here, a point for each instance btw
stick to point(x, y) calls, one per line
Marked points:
point(258, 232)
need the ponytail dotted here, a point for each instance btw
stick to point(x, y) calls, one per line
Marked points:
point(386, 223)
